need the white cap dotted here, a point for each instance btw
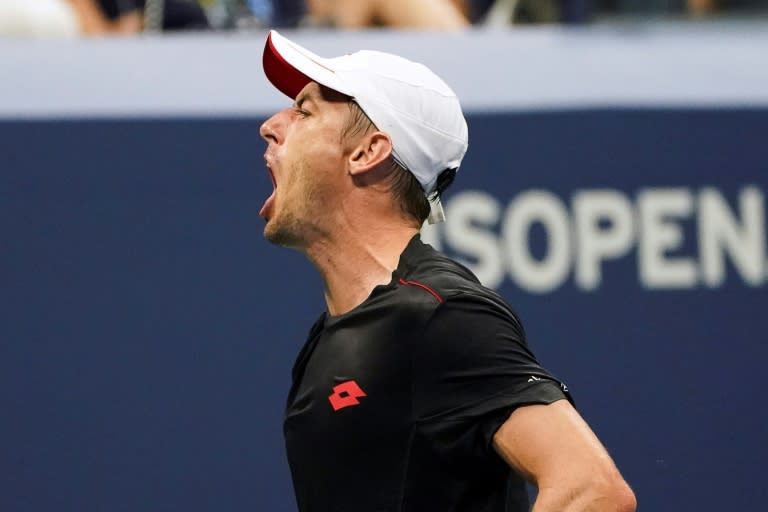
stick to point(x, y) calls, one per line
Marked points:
point(404, 99)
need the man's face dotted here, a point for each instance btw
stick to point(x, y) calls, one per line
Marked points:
point(306, 158)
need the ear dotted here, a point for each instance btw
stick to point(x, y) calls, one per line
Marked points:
point(372, 149)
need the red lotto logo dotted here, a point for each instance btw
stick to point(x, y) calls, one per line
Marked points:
point(346, 394)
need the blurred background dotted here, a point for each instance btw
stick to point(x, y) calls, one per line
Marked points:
point(614, 192)
point(103, 17)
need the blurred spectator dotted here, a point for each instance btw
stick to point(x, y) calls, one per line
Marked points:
point(68, 18)
point(94, 19)
point(700, 6)
point(667, 7)
point(506, 12)
point(726, 6)
point(288, 13)
point(342, 14)
point(503, 12)
point(37, 18)
point(249, 14)
point(428, 14)
point(132, 16)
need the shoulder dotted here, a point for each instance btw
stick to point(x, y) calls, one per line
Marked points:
point(428, 276)
point(422, 267)
point(430, 292)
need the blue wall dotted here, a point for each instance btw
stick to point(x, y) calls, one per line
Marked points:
point(147, 330)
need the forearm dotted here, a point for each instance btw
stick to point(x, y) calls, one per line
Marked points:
point(608, 498)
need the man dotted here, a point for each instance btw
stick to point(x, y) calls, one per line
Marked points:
point(416, 391)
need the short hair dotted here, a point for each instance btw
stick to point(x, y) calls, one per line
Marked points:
point(405, 188)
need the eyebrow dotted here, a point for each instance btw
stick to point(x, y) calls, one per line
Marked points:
point(300, 100)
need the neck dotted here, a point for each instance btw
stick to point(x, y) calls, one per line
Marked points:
point(353, 263)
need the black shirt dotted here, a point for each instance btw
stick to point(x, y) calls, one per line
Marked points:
point(394, 404)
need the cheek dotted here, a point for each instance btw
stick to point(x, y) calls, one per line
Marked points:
point(302, 181)
point(320, 167)
point(314, 162)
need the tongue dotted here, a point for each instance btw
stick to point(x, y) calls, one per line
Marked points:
point(265, 210)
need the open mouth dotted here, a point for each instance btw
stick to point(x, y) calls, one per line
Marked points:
point(266, 209)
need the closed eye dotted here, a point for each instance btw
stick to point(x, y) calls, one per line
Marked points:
point(299, 104)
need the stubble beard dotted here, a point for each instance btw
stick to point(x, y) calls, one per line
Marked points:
point(284, 230)
point(295, 226)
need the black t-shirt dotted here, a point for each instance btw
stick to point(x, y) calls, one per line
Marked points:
point(394, 404)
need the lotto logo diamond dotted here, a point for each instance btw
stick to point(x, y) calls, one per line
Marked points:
point(346, 394)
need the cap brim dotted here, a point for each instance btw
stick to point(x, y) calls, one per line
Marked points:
point(291, 67)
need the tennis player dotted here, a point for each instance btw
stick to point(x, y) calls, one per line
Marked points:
point(416, 391)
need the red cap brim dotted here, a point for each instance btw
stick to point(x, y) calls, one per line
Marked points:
point(288, 80)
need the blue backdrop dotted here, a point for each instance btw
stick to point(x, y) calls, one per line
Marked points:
point(147, 330)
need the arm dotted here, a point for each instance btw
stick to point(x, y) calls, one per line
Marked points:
point(552, 446)
point(93, 21)
point(474, 367)
point(429, 14)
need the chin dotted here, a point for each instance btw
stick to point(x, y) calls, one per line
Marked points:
point(281, 235)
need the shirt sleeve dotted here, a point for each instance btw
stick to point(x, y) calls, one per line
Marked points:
point(472, 368)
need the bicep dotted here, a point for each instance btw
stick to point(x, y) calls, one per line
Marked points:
point(552, 446)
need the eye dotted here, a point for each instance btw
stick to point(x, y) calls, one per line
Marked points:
point(301, 112)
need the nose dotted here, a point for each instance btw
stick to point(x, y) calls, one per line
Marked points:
point(272, 129)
